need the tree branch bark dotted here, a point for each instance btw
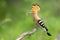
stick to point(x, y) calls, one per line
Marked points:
point(27, 33)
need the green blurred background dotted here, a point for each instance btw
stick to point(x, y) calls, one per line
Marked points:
point(14, 21)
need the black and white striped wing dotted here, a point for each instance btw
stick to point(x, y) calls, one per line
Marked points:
point(40, 22)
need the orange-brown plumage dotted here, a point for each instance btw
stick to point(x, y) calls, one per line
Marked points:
point(37, 19)
point(35, 10)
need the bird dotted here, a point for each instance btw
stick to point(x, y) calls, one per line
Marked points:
point(37, 19)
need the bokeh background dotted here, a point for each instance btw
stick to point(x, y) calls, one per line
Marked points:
point(16, 18)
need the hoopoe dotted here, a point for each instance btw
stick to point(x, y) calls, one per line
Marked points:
point(37, 19)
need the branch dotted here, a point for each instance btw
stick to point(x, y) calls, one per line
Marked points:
point(27, 33)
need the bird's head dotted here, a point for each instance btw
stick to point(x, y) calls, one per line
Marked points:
point(35, 8)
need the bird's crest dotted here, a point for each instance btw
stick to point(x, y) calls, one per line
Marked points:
point(35, 8)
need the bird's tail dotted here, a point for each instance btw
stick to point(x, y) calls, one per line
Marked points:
point(48, 34)
point(40, 22)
